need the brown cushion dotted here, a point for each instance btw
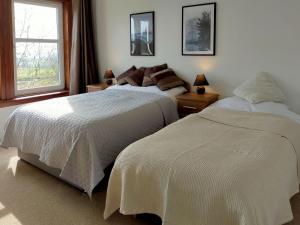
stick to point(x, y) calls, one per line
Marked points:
point(136, 78)
point(166, 79)
point(121, 79)
point(154, 69)
point(151, 70)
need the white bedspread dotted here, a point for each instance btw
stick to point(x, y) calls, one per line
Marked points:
point(83, 134)
point(219, 167)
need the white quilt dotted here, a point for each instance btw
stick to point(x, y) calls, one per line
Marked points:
point(219, 167)
point(83, 134)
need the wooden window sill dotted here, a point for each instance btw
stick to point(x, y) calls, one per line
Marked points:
point(33, 98)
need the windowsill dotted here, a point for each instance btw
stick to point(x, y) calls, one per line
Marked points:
point(33, 98)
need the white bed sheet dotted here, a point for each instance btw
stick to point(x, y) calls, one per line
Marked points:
point(237, 103)
point(171, 93)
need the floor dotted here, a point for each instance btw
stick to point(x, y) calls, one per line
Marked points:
point(29, 196)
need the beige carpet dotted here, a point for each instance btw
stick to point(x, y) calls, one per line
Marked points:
point(29, 196)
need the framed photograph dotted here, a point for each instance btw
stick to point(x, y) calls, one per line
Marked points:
point(199, 29)
point(142, 34)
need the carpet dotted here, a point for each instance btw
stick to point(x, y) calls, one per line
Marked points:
point(29, 196)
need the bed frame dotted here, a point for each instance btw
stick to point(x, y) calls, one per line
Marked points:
point(34, 161)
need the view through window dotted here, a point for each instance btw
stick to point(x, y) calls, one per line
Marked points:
point(38, 39)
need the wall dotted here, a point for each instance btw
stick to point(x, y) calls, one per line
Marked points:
point(252, 36)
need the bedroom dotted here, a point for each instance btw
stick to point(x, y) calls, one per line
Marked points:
point(250, 37)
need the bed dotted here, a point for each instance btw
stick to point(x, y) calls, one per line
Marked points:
point(75, 138)
point(235, 163)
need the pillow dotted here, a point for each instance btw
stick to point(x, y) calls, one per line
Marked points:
point(176, 91)
point(166, 79)
point(154, 69)
point(262, 88)
point(135, 78)
point(150, 70)
point(236, 103)
point(121, 79)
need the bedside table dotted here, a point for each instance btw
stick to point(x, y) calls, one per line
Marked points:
point(97, 87)
point(190, 103)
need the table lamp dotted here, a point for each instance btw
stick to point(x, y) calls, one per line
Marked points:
point(200, 82)
point(109, 76)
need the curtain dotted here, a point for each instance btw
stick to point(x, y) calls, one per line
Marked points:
point(83, 61)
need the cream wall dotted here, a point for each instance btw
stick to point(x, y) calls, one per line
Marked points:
point(252, 36)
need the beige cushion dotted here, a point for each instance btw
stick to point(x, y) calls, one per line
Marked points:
point(262, 88)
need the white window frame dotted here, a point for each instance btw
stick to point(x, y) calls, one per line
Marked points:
point(59, 42)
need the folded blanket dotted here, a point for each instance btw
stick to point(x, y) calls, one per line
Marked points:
point(219, 167)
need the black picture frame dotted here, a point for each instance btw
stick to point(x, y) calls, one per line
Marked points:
point(142, 45)
point(193, 44)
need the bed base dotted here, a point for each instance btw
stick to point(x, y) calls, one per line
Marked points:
point(34, 161)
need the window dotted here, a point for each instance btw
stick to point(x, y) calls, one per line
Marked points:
point(38, 46)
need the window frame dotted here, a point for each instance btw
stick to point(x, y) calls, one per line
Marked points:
point(59, 41)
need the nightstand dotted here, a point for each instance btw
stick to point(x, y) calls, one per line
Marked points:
point(190, 103)
point(97, 87)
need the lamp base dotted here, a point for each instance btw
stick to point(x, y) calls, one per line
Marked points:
point(109, 81)
point(201, 90)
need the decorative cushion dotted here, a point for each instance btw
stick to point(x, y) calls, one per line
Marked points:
point(151, 70)
point(262, 88)
point(136, 78)
point(121, 79)
point(166, 79)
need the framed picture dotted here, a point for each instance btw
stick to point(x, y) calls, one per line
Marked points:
point(199, 29)
point(142, 34)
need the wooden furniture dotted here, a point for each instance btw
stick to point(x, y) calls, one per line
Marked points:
point(190, 103)
point(97, 87)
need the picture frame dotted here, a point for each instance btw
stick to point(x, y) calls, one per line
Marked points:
point(142, 34)
point(199, 29)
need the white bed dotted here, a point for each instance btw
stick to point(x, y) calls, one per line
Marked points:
point(236, 163)
point(77, 137)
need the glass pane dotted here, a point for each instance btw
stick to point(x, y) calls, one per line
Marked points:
point(36, 22)
point(37, 65)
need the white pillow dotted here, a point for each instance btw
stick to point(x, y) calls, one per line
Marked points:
point(176, 91)
point(239, 104)
point(236, 103)
point(262, 88)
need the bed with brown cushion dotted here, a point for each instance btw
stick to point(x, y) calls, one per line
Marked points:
point(77, 137)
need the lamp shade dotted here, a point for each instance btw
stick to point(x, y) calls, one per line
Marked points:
point(201, 80)
point(109, 74)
